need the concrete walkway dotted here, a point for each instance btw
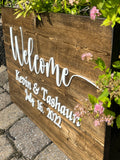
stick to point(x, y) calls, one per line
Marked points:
point(20, 139)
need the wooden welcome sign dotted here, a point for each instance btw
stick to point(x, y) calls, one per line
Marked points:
point(48, 79)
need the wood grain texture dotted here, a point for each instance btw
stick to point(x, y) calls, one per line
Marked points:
point(66, 38)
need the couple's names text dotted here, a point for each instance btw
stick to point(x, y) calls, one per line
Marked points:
point(34, 89)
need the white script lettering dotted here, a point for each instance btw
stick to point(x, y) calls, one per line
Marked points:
point(29, 98)
point(63, 110)
point(23, 80)
point(43, 66)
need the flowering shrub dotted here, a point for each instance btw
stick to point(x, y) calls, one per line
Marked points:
point(108, 85)
point(109, 9)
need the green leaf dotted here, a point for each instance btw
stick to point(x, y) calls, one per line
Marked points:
point(80, 119)
point(100, 5)
point(108, 112)
point(17, 11)
point(118, 121)
point(104, 94)
point(113, 17)
point(19, 14)
point(38, 16)
point(107, 71)
point(117, 100)
point(109, 104)
point(118, 19)
point(118, 10)
point(106, 22)
point(92, 99)
point(118, 74)
point(116, 64)
point(113, 24)
point(104, 13)
point(108, 5)
point(100, 64)
point(106, 102)
point(21, 1)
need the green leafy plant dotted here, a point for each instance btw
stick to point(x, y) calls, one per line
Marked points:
point(108, 85)
point(40, 6)
point(109, 9)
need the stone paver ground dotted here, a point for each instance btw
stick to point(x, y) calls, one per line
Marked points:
point(20, 138)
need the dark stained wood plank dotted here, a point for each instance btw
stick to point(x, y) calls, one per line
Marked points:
point(9, 18)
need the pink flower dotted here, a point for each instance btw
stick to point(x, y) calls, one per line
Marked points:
point(88, 56)
point(112, 75)
point(102, 119)
point(80, 111)
point(71, 1)
point(94, 12)
point(99, 108)
point(76, 2)
point(109, 120)
point(77, 114)
point(96, 123)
